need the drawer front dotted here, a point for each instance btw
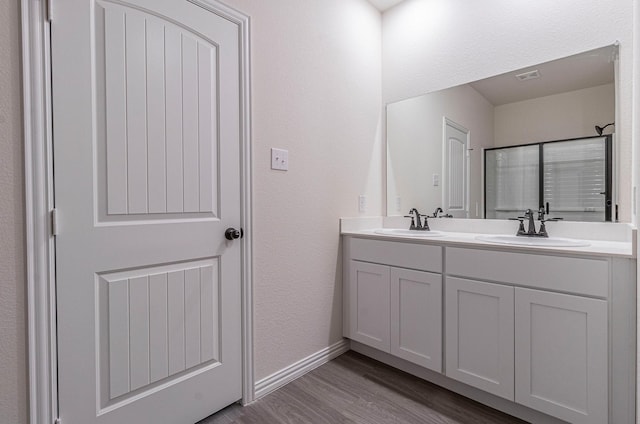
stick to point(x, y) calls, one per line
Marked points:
point(574, 275)
point(400, 254)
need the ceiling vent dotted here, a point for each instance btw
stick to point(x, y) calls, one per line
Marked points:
point(526, 76)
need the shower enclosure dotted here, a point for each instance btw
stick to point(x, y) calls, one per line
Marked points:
point(572, 179)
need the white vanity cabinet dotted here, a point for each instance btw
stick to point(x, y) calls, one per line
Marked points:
point(544, 332)
point(559, 340)
point(395, 302)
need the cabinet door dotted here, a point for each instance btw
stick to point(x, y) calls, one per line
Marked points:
point(561, 355)
point(416, 317)
point(479, 335)
point(369, 304)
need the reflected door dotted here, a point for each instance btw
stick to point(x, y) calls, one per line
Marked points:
point(455, 190)
point(147, 175)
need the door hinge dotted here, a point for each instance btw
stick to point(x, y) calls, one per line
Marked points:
point(54, 224)
point(49, 9)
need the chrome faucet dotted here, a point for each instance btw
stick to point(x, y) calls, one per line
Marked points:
point(416, 223)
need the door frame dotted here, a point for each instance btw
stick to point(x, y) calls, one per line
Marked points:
point(36, 17)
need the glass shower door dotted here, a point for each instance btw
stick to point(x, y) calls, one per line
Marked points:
point(575, 181)
point(512, 181)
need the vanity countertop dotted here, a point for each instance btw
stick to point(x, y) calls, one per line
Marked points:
point(621, 249)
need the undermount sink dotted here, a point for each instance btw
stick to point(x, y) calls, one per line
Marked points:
point(408, 233)
point(534, 241)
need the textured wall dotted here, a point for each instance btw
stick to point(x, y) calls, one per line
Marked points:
point(13, 372)
point(557, 117)
point(434, 44)
point(316, 92)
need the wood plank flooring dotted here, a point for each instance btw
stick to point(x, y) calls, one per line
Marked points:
point(355, 389)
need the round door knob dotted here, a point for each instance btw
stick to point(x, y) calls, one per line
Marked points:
point(232, 234)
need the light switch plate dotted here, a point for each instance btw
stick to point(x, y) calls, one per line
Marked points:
point(362, 203)
point(279, 159)
point(436, 180)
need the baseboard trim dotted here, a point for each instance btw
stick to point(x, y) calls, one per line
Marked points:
point(300, 368)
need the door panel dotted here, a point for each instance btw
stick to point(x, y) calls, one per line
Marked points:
point(561, 350)
point(416, 317)
point(369, 294)
point(479, 335)
point(147, 177)
point(158, 99)
point(136, 348)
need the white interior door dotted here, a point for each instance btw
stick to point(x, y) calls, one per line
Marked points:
point(455, 190)
point(147, 178)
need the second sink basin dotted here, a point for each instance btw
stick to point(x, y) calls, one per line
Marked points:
point(534, 241)
point(408, 233)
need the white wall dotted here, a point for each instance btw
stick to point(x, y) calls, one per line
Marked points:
point(13, 372)
point(560, 116)
point(316, 92)
point(415, 140)
point(433, 44)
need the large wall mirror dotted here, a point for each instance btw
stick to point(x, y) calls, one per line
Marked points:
point(455, 148)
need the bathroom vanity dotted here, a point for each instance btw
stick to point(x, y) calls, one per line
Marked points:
point(537, 332)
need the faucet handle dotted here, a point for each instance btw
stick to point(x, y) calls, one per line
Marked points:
point(521, 230)
point(413, 222)
point(425, 224)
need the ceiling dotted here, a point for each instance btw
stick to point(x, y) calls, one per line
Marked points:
point(383, 5)
point(584, 70)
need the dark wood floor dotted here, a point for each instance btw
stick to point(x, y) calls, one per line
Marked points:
point(357, 389)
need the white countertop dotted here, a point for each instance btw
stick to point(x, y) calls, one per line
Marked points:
point(623, 249)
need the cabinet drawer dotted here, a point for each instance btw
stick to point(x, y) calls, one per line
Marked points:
point(400, 254)
point(574, 275)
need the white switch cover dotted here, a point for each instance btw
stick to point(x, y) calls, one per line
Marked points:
point(398, 204)
point(436, 180)
point(362, 203)
point(279, 159)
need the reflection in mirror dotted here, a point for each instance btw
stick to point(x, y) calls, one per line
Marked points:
point(568, 179)
point(435, 142)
